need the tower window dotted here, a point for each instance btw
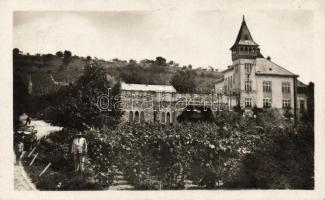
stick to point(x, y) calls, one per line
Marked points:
point(248, 102)
point(267, 86)
point(286, 87)
point(248, 85)
point(248, 68)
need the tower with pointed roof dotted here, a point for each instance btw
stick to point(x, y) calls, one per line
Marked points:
point(245, 46)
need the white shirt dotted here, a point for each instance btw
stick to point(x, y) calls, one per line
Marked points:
point(79, 145)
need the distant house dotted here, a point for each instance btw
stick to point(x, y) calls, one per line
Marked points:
point(253, 80)
point(148, 103)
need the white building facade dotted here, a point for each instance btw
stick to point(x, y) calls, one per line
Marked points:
point(255, 81)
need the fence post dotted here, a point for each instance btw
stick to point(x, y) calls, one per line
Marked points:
point(45, 169)
point(30, 154)
point(30, 164)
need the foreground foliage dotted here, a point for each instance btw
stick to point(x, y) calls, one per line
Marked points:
point(232, 152)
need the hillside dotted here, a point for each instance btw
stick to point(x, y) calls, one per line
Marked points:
point(66, 68)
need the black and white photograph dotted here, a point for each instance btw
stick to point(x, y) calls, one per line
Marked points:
point(160, 100)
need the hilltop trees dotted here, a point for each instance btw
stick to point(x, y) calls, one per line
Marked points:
point(59, 54)
point(67, 54)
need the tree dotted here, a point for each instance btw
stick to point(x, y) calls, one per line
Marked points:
point(78, 105)
point(48, 57)
point(20, 98)
point(67, 54)
point(160, 61)
point(59, 54)
point(184, 81)
point(15, 52)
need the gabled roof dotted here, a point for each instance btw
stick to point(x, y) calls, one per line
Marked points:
point(267, 67)
point(244, 37)
point(143, 87)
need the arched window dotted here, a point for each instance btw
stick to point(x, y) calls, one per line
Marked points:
point(142, 120)
point(168, 118)
point(136, 116)
point(163, 120)
point(174, 117)
point(131, 116)
point(154, 116)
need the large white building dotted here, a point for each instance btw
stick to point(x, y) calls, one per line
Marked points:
point(253, 80)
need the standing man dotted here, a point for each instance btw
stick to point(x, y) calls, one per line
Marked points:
point(79, 151)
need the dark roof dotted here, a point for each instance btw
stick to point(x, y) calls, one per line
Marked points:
point(301, 84)
point(244, 37)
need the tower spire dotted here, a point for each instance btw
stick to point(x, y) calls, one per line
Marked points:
point(245, 46)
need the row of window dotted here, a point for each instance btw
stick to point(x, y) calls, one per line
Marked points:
point(267, 86)
point(249, 49)
point(267, 103)
point(140, 117)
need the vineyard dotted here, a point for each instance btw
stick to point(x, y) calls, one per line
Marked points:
point(232, 152)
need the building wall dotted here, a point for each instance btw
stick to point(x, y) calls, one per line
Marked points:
point(148, 106)
point(276, 95)
point(242, 76)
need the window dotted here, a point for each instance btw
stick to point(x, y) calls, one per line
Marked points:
point(267, 103)
point(168, 118)
point(248, 102)
point(286, 103)
point(136, 117)
point(230, 82)
point(302, 104)
point(285, 87)
point(142, 119)
point(163, 120)
point(131, 116)
point(267, 86)
point(248, 68)
point(248, 85)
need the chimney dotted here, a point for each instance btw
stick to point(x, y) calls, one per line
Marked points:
point(268, 58)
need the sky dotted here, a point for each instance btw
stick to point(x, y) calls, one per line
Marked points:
point(201, 38)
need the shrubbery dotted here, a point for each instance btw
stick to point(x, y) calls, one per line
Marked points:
point(232, 152)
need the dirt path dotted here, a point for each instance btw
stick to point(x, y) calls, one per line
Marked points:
point(21, 179)
point(43, 128)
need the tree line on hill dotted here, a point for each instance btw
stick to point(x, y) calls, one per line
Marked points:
point(64, 64)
